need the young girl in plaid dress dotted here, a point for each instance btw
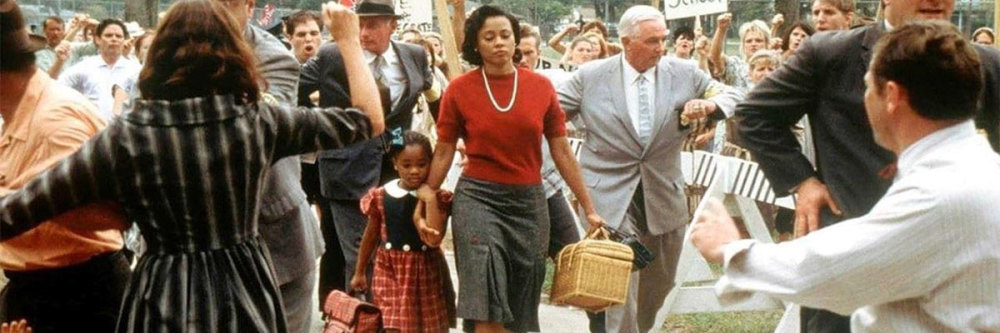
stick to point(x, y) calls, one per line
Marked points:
point(406, 222)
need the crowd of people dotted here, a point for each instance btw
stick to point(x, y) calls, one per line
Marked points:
point(207, 175)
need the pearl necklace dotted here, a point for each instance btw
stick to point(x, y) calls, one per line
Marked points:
point(489, 92)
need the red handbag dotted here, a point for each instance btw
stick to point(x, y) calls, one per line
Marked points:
point(346, 314)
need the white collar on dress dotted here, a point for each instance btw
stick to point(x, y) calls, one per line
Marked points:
point(393, 189)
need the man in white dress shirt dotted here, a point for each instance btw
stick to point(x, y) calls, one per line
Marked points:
point(925, 258)
point(95, 76)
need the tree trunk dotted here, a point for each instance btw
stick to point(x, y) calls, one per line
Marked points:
point(141, 11)
point(789, 8)
point(599, 9)
point(152, 13)
point(133, 9)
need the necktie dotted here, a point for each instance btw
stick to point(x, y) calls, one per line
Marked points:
point(645, 114)
point(382, 84)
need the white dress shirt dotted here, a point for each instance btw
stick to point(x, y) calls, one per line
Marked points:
point(93, 77)
point(925, 259)
point(632, 91)
point(392, 70)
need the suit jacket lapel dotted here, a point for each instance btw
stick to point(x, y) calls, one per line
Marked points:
point(663, 108)
point(620, 110)
point(411, 72)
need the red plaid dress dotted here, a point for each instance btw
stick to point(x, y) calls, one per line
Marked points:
point(413, 289)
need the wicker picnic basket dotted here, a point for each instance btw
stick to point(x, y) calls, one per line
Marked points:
point(592, 274)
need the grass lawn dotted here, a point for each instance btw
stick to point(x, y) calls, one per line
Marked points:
point(722, 322)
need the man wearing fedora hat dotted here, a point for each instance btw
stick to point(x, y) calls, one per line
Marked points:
point(402, 73)
point(287, 223)
point(77, 280)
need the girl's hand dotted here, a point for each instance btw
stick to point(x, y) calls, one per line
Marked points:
point(358, 282)
point(428, 235)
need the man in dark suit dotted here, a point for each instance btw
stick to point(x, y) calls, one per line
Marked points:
point(287, 224)
point(402, 73)
point(825, 79)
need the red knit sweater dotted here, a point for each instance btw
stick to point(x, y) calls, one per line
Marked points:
point(503, 147)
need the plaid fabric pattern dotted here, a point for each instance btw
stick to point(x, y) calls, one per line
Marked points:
point(410, 288)
point(413, 289)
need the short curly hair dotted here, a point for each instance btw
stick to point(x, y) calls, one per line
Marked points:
point(475, 22)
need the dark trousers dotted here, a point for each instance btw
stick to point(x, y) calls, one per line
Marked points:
point(343, 226)
point(350, 225)
point(562, 232)
point(82, 297)
point(822, 321)
point(331, 264)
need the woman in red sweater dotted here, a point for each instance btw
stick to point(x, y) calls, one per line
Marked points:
point(500, 214)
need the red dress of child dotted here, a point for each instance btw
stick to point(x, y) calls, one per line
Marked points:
point(411, 283)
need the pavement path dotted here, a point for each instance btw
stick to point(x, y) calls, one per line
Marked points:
point(552, 318)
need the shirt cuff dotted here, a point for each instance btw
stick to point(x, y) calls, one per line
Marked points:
point(727, 292)
point(734, 248)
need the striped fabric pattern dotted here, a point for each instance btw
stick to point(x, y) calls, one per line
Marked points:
point(190, 173)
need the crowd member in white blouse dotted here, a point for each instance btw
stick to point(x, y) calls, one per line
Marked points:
point(925, 258)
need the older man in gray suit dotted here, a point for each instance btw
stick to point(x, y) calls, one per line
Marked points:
point(630, 105)
point(288, 225)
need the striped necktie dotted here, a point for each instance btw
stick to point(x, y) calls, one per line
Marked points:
point(380, 81)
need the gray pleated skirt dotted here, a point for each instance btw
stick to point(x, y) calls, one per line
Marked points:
point(501, 235)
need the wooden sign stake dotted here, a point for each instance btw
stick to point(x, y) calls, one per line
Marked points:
point(450, 45)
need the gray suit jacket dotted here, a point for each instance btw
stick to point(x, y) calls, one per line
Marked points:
point(614, 161)
point(287, 224)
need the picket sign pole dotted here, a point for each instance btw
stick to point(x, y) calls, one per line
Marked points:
point(450, 45)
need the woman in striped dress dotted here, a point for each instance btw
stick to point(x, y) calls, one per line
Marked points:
point(187, 164)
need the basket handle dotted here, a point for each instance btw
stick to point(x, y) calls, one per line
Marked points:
point(598, 233)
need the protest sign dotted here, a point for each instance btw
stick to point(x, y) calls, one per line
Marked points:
point(676, 9)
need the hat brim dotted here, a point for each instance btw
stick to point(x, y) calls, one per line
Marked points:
point(35, 43)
